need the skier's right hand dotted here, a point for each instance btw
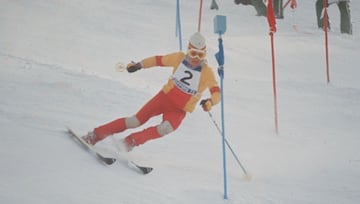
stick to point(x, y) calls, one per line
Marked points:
point(134, 66)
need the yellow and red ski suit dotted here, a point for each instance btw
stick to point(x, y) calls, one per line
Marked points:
point(179, 95)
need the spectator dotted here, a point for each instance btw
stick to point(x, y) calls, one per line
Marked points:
point(345, 18)
point(260, 7)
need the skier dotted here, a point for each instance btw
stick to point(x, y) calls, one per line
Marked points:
point(190, 77)
point(345, 17)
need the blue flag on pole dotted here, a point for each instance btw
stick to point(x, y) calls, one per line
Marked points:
point(220, 58)
point(220, 55)
point(220, 28)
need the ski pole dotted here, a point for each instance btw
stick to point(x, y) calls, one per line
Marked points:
point(228, 145)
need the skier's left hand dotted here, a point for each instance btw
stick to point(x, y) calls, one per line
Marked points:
point(206, 104)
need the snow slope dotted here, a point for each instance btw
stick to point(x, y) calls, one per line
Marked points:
point(57, 69)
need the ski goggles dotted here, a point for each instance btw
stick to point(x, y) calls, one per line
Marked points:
point(196, 53)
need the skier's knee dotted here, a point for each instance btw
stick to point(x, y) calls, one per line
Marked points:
point(165, 128)
point(132, 122)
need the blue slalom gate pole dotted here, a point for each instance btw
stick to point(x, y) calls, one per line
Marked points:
point(178, 24)
point(220, 28)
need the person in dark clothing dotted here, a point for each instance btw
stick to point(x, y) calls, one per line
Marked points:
point(345, 17)
point(260, 7)
point(278, 8)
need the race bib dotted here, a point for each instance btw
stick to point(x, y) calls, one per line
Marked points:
point(187, 79)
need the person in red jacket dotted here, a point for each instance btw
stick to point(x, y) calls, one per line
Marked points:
point(191, 75)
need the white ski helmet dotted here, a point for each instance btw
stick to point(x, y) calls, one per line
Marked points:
point(197, 41)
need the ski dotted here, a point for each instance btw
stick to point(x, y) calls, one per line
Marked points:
point(108, 160)
point(143, 169)
point(99, 156)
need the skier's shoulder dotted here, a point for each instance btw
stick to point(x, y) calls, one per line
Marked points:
point(178, 55)
point(173, 58)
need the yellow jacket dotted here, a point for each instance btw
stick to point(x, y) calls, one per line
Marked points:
point(183, 97)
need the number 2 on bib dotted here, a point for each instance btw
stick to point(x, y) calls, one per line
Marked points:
point(187, 79)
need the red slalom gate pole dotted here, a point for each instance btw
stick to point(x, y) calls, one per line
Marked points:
point(274, 83)
point(326, 41)
point(272, 26)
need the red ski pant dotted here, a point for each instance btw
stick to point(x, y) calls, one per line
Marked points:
point(159, 104)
